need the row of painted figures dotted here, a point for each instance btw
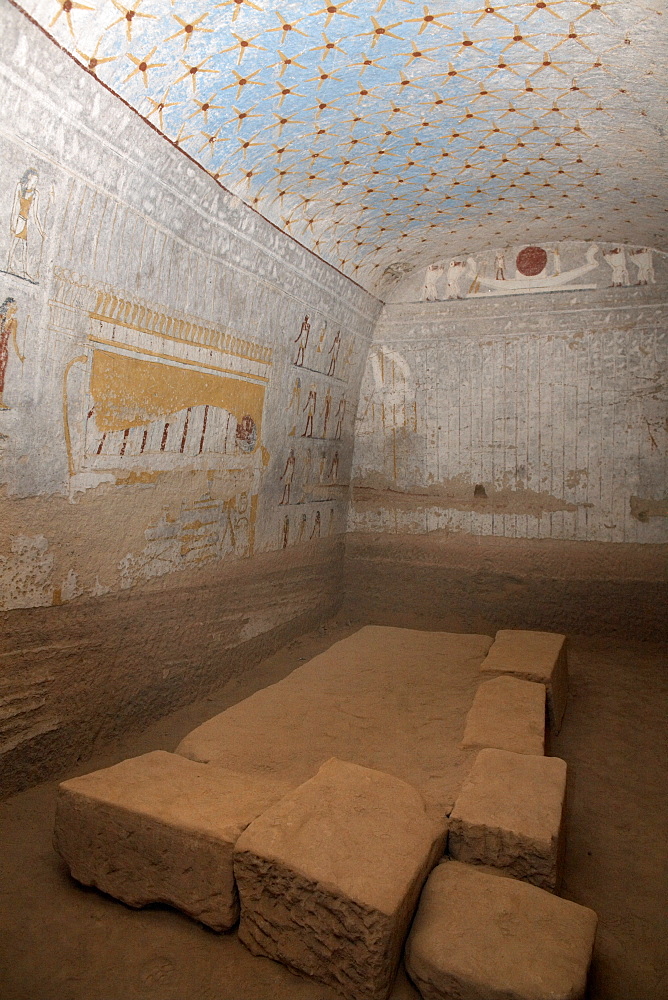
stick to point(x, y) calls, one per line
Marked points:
point(467, 277)
point(306, 414)
point(328, 473)
point(308, 357)
point(299, 530)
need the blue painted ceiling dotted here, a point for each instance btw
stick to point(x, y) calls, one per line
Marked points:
point(387, 135)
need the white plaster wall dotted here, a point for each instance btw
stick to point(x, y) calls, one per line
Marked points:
point(554, 403)
point(120, 212)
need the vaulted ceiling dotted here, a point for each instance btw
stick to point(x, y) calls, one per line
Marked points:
point(390, 134)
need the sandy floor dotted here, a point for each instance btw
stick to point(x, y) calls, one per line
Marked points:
point(59, 941)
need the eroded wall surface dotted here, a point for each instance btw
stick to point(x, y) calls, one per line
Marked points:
point(178, 384)
point(495, 407)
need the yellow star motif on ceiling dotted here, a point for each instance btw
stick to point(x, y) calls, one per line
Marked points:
point(142, 65)
point(66, 7)
point(345, 114)
point(128, 14)
point(188, 28)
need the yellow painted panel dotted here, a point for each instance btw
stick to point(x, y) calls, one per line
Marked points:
point(129, 392)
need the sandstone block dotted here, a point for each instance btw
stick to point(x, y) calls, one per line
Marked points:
point(508, 714)
point(161, 829)
point(480, 937)
point(329, 877)
point(509, 814)
point(390, 699)
point(533, 656)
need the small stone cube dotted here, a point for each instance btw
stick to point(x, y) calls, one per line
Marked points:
point(509, 814)
point(533, 656)
point(508, 714)
point(480, 937)
point(330, 876)
point(161, 829)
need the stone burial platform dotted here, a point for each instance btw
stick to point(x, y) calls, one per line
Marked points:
point(507, 714)
point(509, 815)
point(330, 875)
point(161, 829)
point(533, 656)
point(479, 936)
point(390, 699)
point(315, 810)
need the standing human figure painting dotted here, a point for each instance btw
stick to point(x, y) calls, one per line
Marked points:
point(334, 353)
point(309, 408)
point(24, 256)
point(302, 341)
point(8, 331)
point(288, 476)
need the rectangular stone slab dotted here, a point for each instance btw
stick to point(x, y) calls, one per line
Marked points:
point(385, 698)
point(480, 937)
point(161, 829)
point(508, 714)
point(330, 876)
point(533, 656)
point(509, 814)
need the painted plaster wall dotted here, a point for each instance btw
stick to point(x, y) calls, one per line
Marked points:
point(179, 384)
point(510, 455)
point(523, 416)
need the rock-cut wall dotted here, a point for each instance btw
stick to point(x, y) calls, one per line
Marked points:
point(510, 447)
point(178, 384)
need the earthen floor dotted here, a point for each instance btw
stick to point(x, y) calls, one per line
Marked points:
point(59, 941)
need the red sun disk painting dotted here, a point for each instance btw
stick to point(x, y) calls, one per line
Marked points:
point(531, 261)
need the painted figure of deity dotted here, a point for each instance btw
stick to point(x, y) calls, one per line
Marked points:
point(334, 468)
point(617, 261)
point(302, 341)
point(24, 215)
point(8, 332)
point(340, 417)
point(432, 276)
point(643, 262)
point(456, 272)
point(327, 409)
point(295, 404)
point(288, 476)
point(309, 409)
point(334, 353)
